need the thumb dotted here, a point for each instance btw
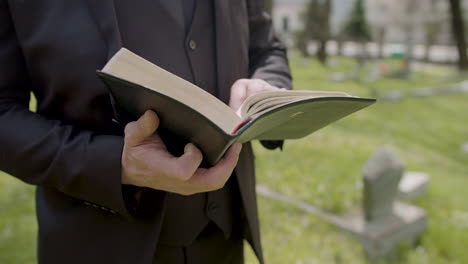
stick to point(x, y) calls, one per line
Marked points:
point(145, 126)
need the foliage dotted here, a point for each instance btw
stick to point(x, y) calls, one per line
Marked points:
point(316, 21)
point(357, 28)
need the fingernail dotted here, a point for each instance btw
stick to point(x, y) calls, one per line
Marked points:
point(237, 148)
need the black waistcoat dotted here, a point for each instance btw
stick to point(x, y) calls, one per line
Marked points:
point(195, 45)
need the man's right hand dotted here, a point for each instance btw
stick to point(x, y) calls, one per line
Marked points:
point(147, 163)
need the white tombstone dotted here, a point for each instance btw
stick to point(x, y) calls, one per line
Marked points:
point(464, 147)
point(412, 185)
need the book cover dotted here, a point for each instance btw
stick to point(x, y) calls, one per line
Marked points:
point(289, 121)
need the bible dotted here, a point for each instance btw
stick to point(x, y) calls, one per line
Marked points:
point(194, 115)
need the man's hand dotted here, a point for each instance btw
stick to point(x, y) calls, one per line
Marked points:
point(147, 163)
point(244, 88)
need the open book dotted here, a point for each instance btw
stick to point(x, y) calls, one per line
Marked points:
point(196, 116)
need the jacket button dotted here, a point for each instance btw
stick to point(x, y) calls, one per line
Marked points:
point(192, 44)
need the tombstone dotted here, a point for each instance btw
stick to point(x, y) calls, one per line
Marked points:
point(392, 96)
point(338, 77)
point(412, 185)
point(374, 75)
point(423, 92)
point(383, 222)
point(464, 86)
point(382, 174)
point(464, 147)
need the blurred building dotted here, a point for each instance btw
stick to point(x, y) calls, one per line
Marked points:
point(410, 20)
point(398, 23)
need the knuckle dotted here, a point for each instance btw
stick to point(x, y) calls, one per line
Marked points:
point(129, 128)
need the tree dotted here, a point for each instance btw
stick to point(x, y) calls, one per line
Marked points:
point(409, 25)
point(356, 28)
point(458, 31)
point(323, 34)
point(432, 30)
point(432, 27)
point(380, 38)
point(316, 20)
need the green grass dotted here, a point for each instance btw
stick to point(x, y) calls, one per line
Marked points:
point(324, 169)
point(17, 222)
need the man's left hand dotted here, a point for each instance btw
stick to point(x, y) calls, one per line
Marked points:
point(244, 88)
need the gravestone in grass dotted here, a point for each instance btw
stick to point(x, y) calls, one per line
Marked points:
point(464, 147)
point(412, 185)
point(383, 222)
point(382, 173)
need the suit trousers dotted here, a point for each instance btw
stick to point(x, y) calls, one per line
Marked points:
point(210, 247)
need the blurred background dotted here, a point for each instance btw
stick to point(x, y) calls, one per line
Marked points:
point(411, 56)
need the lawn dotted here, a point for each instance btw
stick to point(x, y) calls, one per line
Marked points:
point(324, 169)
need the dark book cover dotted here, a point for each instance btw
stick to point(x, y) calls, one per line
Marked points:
point(181, 124)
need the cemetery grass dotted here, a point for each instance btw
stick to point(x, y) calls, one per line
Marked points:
point(324, 169)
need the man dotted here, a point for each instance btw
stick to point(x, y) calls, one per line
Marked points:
point(109, 195)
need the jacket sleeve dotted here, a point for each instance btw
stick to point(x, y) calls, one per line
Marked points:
point(80, 163)
point(267, 55)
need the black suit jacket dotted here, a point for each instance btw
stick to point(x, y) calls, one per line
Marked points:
point(70, 148)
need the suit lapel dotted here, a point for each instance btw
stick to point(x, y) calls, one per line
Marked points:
point(175, 10)
point(223, 47)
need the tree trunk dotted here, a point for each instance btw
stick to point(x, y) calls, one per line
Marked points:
point(381, 41)
point(340, 43)
point(458, 30)
point(431, 33)
point(322, 51)
point(324, 35)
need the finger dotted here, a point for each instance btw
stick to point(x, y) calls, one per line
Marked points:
point(145, 126)
point(215, 177)
point(182, 168)
point(256, 86)
point(238, 94)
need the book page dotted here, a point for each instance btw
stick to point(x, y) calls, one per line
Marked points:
point(268, 103)
point(265, 101)
point(129, 66)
